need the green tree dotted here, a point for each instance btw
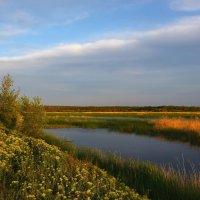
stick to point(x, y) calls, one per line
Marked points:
point(34, 117)
point(9, 107)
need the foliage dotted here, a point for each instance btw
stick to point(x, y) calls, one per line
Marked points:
point(32, 169)
point(34, 117)
point(24, 114)
point(9, 105)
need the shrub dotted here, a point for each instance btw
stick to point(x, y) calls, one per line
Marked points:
point(9, 106)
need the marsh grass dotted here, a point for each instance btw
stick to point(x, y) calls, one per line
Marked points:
point(126, 114)
point(178, 124)
point(139, 127)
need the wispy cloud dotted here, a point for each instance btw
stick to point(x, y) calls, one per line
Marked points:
point(22, 18)
point(7, 31)
point(183, 32)
point(69, 20)
point(185, 5)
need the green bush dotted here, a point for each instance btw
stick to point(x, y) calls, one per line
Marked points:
point(20, 113)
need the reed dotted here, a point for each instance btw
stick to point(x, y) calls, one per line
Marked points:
point(178, 124)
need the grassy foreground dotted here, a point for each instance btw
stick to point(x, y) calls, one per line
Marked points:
point(146, 178)
point(32, 169)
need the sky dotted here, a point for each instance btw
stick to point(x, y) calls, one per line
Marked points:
point(112, 52)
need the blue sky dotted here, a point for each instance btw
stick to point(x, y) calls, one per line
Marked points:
point(113, 52)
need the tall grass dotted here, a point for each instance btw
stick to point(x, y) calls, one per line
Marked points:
point(178, 124)
point(146, 178)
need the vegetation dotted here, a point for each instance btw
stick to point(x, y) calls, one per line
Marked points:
point(140, 127)
point(145, 177)
point(32, 169)
point(9, 107)
point(34, 117)
point(20, 113)
point(178, 124)
point(122, 109)
point(125, 115)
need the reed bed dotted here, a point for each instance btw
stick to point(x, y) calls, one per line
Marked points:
point(178, 124)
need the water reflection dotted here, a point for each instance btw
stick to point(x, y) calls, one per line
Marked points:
point(134, 146)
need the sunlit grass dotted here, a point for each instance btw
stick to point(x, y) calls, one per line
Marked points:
point(126, 114)
point(178, 124)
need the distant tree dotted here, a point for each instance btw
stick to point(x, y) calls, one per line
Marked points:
point(34, 117)
point(9, 106)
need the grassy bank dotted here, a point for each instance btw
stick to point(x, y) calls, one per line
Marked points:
point(32, 169)
point(126, 114)
point(140, 127)
point(146, 178)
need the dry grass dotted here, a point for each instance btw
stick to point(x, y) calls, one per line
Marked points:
point(178, 124)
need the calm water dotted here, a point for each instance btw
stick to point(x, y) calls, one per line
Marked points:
point(133, 146)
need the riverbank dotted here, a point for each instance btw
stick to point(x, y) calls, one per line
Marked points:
point(145, 177)
point(140, 127)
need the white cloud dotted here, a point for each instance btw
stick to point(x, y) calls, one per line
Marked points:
point(183, 31)
point(137, 47)
point(72, 50)
point(185, 5)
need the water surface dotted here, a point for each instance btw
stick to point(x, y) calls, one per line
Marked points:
point(145, 148)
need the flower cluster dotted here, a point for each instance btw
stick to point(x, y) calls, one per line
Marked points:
point(32, 169)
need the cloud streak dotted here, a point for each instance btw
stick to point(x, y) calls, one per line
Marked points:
point(185, 5)
point(8, 31)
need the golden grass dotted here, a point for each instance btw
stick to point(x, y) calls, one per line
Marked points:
point(128, 112)
point(178, 124)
